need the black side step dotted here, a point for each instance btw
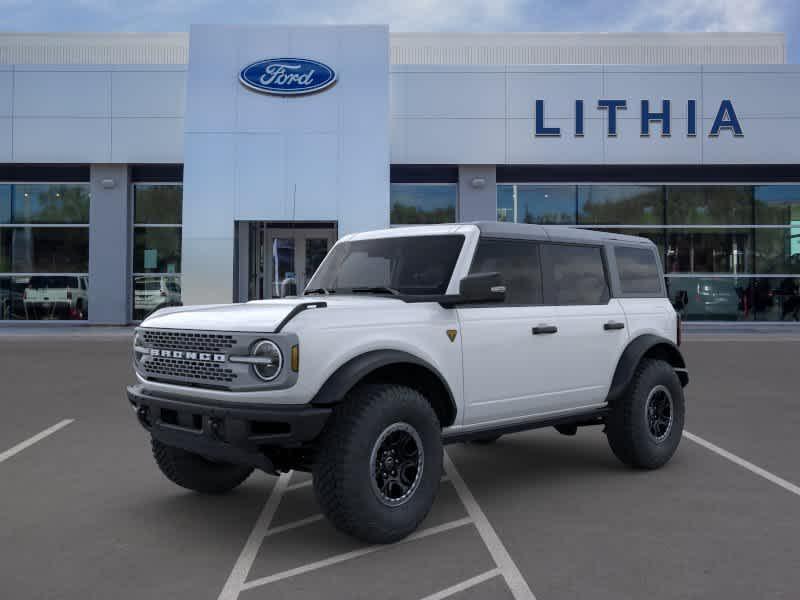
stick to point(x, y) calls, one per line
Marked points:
point(595, 416)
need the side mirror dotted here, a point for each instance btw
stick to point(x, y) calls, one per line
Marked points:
point(482, 287)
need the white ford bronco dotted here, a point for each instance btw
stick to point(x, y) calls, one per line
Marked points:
point(408, 339)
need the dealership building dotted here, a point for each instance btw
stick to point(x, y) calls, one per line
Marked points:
point(148, 170)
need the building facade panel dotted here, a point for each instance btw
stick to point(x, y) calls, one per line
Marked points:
point(62, 140)
point(148, 93)
point(557, 87)
point(6, 139)
point(62, 93)
point(146, 140)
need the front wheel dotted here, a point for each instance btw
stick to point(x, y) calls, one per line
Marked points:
point(197, 473)
point(645, 426)
point(379, 463)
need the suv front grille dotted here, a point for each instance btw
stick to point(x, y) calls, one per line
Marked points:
point(193, 341)
point(200, 371)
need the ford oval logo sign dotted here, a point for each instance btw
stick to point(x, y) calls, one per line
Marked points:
point(287, 76)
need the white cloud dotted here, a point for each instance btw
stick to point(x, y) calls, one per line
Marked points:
point(705, 15)
point(413, 15)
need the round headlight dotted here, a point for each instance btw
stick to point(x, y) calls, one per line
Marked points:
point(271, 361)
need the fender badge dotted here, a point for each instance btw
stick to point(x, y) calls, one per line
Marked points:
point(452, 333)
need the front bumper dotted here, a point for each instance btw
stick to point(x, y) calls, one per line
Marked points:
point(227, 432)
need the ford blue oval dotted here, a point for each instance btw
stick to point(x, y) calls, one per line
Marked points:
point(287, 76)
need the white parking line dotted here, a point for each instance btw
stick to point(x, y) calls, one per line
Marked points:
point(234, 585)
point(294, 524)
point(423, 533)
point(33, 439)
point(508, 568)
point(771, 477)
point(464, 585)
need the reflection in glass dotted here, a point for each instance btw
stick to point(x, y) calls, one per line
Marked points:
point(151, 292)
point(709, 205)
point(712, 298)
point(316, 249)
point(778, 250)
point(709, 251)
point(417, 203)
point(777, 299)
point(284, 277)
point(543, 204)
point(157, 250)
point(777, 205)
point(44, 250)
point(41, 203)
point(44, 297)
point(158, 204)
point(620, 205)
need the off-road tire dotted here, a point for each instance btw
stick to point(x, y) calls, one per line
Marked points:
point(196, 473)
point(343, 471)
point(627, 427)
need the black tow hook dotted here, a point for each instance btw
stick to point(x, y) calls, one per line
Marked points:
point(215, 426)
point(143, 414)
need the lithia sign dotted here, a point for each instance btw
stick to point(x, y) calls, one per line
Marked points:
point(725, 120)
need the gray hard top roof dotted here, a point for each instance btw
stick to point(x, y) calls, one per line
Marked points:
point(556, 233)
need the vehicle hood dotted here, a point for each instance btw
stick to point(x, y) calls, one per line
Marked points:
point(260, 316)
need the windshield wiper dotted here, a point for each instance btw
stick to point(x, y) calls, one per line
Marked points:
point(378, 289)
point(320, 290)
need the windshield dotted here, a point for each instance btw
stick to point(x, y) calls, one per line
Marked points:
point(420, 265)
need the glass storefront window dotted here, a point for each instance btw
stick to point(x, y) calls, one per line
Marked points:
point(777, 298)
point(709, 251)
point(542, 204)
point(44, 297)
point(157, 250)
point(777, 205)
point(157, 216)
point(735, 298)
point(44, 251)
point(709, 205)
point(158, 204)
point(778, 250)
point(712, 298)
point(423, 203)
point(620, 205)
point(151, 292)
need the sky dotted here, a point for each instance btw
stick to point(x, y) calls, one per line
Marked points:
point(413, 15)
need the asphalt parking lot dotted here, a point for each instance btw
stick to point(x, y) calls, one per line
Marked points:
point(85, 513)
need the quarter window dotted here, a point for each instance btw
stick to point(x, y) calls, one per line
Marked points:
point(576, 274)
point(518, 264)
point(638, 271)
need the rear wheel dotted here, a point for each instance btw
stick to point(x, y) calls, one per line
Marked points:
point(196, 473)
point(645, 426)
point(379, 463)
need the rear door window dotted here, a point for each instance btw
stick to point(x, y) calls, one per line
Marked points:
point(638, 271)
point(574, 274)
point(518, 265)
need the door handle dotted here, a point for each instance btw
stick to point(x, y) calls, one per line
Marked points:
point(544, 329)
point(613, 325)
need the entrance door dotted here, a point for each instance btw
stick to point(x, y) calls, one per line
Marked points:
point(283, 259)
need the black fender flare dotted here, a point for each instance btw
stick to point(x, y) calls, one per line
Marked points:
point(350, 373)
point(651, 345)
